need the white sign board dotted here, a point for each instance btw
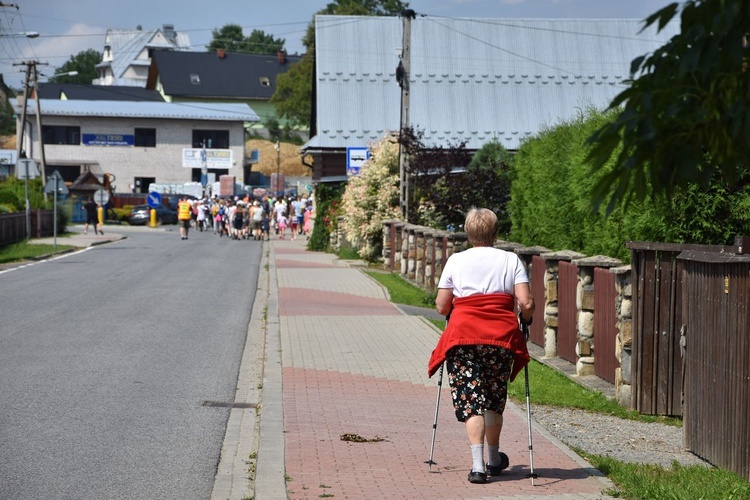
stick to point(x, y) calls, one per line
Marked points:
point(56, 184)
point(26, 169)
point(101, 197)
point(355, 158)
point(215, 158)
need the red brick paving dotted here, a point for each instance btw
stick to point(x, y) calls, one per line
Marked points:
point(320, 406)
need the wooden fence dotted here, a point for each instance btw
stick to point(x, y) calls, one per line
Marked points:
point(13, 226)
point(672, 328)
point(715, 337)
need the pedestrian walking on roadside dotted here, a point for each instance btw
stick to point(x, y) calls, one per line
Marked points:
point(200, 219)
point(482, 345)
point(92, 216)
point(184, 214)
point(281, 223)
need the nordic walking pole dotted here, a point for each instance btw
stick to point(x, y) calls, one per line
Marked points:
point(532, 475)
point(434, 422)
point(437, 407)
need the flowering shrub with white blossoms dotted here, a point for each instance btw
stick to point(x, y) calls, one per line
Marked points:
point(372, 197)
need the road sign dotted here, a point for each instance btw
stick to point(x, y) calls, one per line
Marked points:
point(154, 199)
point(101, 197)
point(55, 183)
point(355, 159)
point(26, 169)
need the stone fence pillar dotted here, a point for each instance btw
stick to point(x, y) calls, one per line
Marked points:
point(585, 303)
point(404, 261)
point(441, 254)
point(624, 346)
point(508, 246)
point(411, 260)
point(389, 243)
point(420, 258)
point(457, 242)
point(552, 262)
point(429, 259)
point(527, 256)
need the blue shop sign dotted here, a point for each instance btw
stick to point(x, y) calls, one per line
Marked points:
point(108, 140)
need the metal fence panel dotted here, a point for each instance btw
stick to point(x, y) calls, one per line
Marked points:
point(567, 311)
point(538, 292)
point(605, 325)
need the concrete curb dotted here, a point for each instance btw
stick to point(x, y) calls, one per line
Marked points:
point(236, 470)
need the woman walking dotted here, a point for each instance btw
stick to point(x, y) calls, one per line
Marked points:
point(480, 289)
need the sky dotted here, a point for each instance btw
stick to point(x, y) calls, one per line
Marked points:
point(67, 27)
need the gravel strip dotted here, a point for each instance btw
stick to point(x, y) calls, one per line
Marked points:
point(621, 439)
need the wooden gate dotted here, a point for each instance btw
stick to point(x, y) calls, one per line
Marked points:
point(567, 311)
point(717, 358)
point(657, 310)
point(605, 325)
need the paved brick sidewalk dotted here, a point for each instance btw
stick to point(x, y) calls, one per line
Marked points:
point(353, 364)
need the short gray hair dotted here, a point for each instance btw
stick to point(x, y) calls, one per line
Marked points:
point(481, 226)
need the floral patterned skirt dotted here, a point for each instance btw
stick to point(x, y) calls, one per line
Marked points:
point(478, 376)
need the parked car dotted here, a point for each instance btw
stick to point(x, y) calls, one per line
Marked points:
point(173, 199)
point(141, 215)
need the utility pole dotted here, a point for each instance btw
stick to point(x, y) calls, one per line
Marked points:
point(32, 66)
point(19, 141)
point(403, 73)
point(39, 125)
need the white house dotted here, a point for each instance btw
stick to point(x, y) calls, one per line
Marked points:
point(137, 143)
point(127, 54)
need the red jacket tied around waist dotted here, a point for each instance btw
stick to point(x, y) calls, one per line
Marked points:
point(482, 319)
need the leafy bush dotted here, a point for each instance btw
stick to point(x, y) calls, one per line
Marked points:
point(372, 197)
point(551, 200)
point(123, 213)
point(9, 199)
point(328, 201)
point(18, 187)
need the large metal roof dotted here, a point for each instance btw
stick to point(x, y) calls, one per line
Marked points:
point(471, 79)
point(164, 110)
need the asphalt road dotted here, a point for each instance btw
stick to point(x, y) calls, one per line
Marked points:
point(107, 357)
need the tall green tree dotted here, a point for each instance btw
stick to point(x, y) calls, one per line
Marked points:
point(293, 96)
point(687, 99)
point(231, 39)
point(84, 63)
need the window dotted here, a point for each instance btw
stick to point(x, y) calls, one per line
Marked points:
point(195, 79)
point(211, 139)
point(61, 134)
point(264, 81)
point(145, 137)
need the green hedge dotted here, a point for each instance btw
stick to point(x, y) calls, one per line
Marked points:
point(327, 208)
point(551, 202)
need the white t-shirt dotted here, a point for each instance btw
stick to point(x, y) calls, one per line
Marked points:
point(482, 270)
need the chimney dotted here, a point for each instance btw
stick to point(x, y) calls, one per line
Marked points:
point(169, 32)
point(281, 55)
point(220, 53)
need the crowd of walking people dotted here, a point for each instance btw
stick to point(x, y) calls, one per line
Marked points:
point(246, 218)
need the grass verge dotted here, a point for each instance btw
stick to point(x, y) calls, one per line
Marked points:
point(403, 292)
point(24, 251)
point(549, 387)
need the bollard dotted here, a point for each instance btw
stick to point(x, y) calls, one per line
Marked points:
point(152, 221)
point(100, 214)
